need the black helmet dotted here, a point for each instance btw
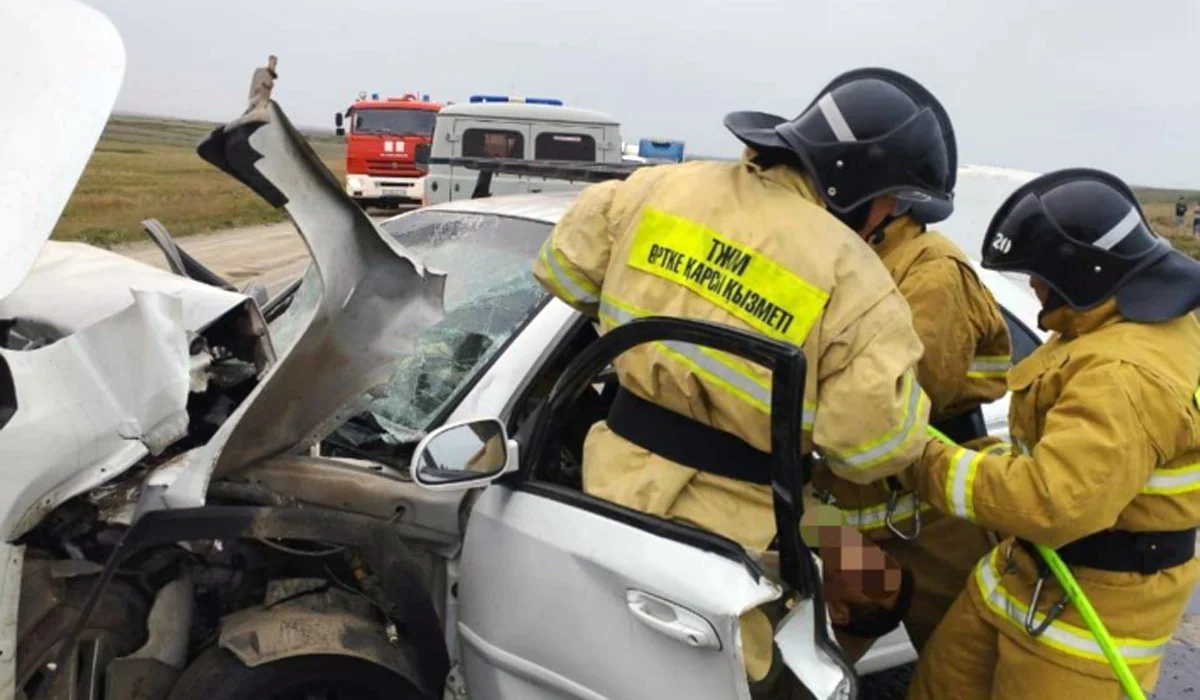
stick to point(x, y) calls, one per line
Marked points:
point(870, 132)
point(1082, 232)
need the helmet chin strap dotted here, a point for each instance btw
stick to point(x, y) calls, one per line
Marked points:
point(1054, 302)
point(875, 237)
point(855, 218)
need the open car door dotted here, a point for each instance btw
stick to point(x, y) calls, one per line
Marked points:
point(563, 595)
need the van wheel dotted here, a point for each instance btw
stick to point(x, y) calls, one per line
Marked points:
point(218, 675)
point(117, 627)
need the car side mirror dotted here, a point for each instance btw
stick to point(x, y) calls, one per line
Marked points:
point(339, 129)
point(464, 455)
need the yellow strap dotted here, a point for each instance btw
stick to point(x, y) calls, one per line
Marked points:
point(738, 279)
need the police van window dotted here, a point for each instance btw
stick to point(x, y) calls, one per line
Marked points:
point(492, 143)
point(579, 147)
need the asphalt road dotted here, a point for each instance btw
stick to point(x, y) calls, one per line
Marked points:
point(275, 254)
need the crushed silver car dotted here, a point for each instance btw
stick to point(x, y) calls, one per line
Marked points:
point(365, 487)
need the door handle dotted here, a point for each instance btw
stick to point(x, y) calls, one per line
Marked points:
point(672, 620)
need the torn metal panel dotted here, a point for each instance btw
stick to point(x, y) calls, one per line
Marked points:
point(73, 285)
point(375, 300)
point(816, 669)
point(91, 405)
point(63, 65)
point(429, 517)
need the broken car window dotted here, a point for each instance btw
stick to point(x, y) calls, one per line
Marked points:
point(490, 293)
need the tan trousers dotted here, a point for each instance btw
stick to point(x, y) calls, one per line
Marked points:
point(969, 659)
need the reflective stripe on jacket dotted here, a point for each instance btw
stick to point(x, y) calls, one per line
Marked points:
point(751, 248)
point(1106, 421)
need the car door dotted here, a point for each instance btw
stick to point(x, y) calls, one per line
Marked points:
point(563, 595)
point(559, 597)
point(488, 138)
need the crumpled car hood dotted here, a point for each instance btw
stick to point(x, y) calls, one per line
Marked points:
point(375, 300)
point(63, 64)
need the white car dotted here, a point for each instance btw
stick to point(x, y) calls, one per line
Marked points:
point(205, 499)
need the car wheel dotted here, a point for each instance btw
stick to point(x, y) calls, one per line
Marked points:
point(218, 675)
point(116, 627)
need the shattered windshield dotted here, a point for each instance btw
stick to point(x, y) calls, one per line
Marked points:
point(490, 292)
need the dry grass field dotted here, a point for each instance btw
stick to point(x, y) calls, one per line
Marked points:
point(148, 167)
point(1160, 208)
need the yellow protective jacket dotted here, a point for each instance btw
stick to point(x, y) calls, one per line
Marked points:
point(751, 248)
point(1106, 425)
point(967, 349)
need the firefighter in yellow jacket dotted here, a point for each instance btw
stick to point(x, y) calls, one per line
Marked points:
point(766, 245)
point(1106, 459)
point(965, 361)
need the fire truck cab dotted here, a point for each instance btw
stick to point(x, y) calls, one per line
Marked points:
point(387, 147)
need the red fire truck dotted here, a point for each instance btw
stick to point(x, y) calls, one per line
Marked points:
point(387, 146)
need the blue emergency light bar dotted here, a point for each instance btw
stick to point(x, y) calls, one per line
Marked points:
point(477, 99)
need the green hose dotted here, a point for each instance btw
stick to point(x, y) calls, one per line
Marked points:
point(1071, 587)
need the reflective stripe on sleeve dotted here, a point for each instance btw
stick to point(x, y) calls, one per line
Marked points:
point(960, 482)
point(1065, 637)
point(568, 286)
point(1170, 482)
point(873, 452)
point(875, 517)
point(706, 363)
point(989, 366)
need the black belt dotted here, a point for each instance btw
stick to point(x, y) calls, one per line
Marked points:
point(686, 441)
point(964, 427)
point(1132, 552)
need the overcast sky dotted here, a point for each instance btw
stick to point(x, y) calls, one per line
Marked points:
point(1029, 84)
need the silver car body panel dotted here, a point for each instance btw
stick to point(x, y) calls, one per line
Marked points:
point(593, 608)
point(73, 285)
point(63, 65)
point(91, 405)
point(375, 300)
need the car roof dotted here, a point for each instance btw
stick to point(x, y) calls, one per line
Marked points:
point(548, 207)
point(980, 191)
point(986, 188)
point(533, 112)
